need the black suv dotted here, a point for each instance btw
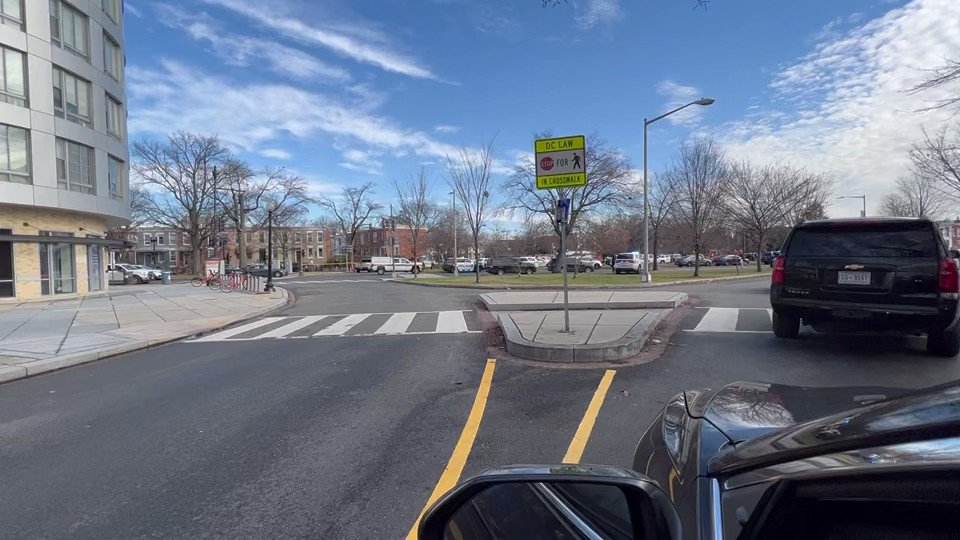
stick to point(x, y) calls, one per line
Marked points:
point(510, 265)
point(872, 274)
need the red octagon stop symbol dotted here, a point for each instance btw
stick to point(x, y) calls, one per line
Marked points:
point(546, 163)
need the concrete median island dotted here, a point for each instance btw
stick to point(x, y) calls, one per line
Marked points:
point(604, 326)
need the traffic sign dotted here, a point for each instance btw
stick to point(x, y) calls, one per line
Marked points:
point(561, 162)
point(563, 211)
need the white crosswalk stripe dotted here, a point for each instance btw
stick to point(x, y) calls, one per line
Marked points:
point(728, 320)
point(325, 281)
point(432, 322)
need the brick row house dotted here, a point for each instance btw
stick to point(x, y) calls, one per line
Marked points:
point(377, 241)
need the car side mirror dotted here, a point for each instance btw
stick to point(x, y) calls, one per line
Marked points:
point(535, 501)
point(954, 254)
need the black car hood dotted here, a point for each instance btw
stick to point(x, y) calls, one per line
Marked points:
point(746, 410)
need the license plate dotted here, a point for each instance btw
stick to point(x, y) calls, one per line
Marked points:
point(853, 278)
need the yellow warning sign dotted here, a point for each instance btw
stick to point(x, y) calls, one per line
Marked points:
point(562, 181)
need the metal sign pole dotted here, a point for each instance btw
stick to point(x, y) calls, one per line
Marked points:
point(563, 261)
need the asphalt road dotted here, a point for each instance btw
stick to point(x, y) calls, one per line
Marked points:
point(345, 436)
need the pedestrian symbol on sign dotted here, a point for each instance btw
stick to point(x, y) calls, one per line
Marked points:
point(576, 161)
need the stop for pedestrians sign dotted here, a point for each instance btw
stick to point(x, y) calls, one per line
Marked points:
point(561, 162)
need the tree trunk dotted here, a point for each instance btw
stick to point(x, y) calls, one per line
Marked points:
point(656, 265)
point(696, 262)
point(759, 244)
point(413, 241)
point(199, 255)
point(476, 251)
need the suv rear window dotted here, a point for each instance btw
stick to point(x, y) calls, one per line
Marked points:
point(625, 257)
point(893, 240)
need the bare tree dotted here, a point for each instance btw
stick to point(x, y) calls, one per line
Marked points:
point(178, 176)
point(937, 158)
point(663, 202)
point(469, 176)
point(761, 199)
point(138, 199)
point(701, 176)
point(417, 212)
point(609, 180)
point(913, 196)
point(247, 191)
point(945, 75)
point(350, 211)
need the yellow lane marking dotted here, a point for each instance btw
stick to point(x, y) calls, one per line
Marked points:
point(451, 475)
point(579, 442)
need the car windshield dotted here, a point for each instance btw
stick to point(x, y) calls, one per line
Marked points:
point(300, 268)
point(870, 241)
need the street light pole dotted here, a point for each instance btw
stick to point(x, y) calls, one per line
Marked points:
point(269, 286)
point(646, 202)
point(456, 268)
point(863, 213)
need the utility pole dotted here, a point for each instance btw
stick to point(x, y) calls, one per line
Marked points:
point(393, 243)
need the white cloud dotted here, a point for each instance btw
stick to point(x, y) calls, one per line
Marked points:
point(848, 111)
point(239, 50)
point(132, 9)
point(362, 45)
point(600, 12)
point(250, 116)
point(276, 153)
point(443, 128)
point(678, 95)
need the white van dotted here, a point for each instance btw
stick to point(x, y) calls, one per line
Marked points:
point(381, 265)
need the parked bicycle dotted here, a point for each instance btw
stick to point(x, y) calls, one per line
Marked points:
point(213, 280)
point(234, 282)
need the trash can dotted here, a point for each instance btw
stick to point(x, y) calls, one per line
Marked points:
point(165, 277)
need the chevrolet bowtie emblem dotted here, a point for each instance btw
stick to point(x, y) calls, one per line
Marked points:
point(853, 267)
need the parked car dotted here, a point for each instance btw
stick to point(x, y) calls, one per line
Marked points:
point(893, 274)
point(728, 260)
point(231, 269)
point(767, 257)
point(627, 262)
point(591, 263)
point(663, 259)
point(426, 262)
point(382, 265)
point(688, 260)
point(511, 265)
point(133, 273)
point(572, 265)
point(463, 265)
point(752, 460)
point(262, 270)
point(154, 273)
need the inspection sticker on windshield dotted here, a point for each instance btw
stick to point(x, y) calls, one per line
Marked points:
point(561, 162)
point(853, 278)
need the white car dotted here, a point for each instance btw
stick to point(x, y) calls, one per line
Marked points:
point(134, 273)
point(663, 259)
point(627, 262)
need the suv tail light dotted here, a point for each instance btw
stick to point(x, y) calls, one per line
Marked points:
point(779, 265)
point(949, 277)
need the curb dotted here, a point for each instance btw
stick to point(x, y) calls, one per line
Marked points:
point(678, 300)
point(13, 373)
point(432, 283)
point(622, 349)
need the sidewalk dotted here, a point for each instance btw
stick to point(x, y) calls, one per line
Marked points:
point(42, 336)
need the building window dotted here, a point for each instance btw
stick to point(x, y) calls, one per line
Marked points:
point(14, 155)
point(297, 238)
point(146, 239)
point(95, 265)
point(247, 237)
point(112, 9)
point(57, 269)
point(310, 252)
point(114, 118)
point(211, 252)
point(112, 59)
point(160, 239)
point(13, 87)
point(263, 237)
point(309, 237)
point(116, 176)
point(319, 237)
point(71, 97)
point(75, 167)
point(68, 28)
point(11, 12)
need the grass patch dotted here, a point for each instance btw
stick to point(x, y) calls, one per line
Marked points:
point(589, 279)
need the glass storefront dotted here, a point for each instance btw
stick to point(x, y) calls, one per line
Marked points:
point(58, 272)
point(95, 265)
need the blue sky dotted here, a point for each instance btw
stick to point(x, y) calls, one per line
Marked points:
point(345, 91)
